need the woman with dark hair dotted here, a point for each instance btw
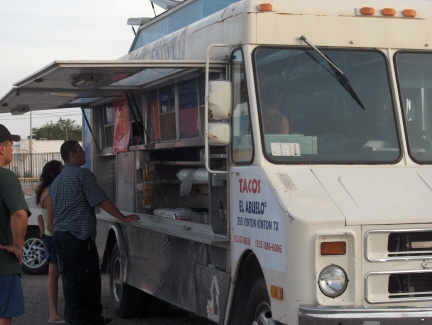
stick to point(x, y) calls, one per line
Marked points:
point(43, 200)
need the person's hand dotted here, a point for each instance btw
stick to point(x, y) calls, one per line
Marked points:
point(14, 250)
point(131, 217)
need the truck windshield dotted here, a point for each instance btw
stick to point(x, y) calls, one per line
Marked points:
point(414, 73)
point(308, 116)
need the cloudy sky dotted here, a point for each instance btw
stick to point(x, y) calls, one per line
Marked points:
point(35, 33)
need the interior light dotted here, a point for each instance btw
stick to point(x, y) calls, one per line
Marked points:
point(84, 80)
point(276, 292)
point(265, 7)
point(333, 248)
point(409, 13)
point(388, 12)
point(367, 11)
point(20, 109)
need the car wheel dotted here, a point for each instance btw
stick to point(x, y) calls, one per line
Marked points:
point(33, 260)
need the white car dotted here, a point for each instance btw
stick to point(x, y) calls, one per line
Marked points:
point(33, 258)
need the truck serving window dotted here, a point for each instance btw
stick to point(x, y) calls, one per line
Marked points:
point(308, 114)
point(414, 74)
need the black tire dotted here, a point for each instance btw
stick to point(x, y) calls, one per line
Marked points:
point(33, 259)
point(258, 310)
point(128, 301)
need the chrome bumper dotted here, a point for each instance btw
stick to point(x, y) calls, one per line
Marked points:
point(324, 315)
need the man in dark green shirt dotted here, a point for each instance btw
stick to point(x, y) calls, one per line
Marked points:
point(14, 213)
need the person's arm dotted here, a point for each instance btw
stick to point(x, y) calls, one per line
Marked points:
point(41, 226)
point(285, 125)
point(19, 227)
point(109, 207)
point(50, 215)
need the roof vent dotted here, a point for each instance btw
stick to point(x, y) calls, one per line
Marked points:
point(166, 4)
point(138, 21)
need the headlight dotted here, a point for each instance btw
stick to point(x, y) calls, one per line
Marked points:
point(332, 281)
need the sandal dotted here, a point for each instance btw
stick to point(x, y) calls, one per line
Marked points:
point(59, 320)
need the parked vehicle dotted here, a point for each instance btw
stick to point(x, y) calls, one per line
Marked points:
point(328, 223)
point(33, 259)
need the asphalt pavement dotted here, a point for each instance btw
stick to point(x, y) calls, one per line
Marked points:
point(36, 306)
point(36, 300)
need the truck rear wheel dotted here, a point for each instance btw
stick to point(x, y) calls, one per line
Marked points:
point(258, 311)
point(128, 301)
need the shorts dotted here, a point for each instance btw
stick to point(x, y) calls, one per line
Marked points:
point(11, 296)
point(50, 252)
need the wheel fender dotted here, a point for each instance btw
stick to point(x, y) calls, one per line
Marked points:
point(121, 242)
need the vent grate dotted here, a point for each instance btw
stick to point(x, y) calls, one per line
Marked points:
point(410, 285)
point(409, 243)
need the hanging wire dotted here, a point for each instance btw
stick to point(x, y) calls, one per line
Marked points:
point(88, 125)
point(153, 8)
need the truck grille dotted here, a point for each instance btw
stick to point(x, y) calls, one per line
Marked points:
point(410, 285)
point(410, 243)
point(408, 276)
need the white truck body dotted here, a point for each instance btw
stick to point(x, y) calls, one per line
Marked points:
point(329, 224)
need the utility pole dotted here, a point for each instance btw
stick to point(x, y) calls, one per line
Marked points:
point(31, 133)
point(30, 146)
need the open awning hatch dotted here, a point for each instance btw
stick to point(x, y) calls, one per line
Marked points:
point(65, 84)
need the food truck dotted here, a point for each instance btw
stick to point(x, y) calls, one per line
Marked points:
point(326, 220)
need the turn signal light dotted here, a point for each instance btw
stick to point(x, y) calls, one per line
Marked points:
point(265, 7)
point(367, 11)
point(276, 292)
point(388, 12)
point(333, 248)
point(409, 13)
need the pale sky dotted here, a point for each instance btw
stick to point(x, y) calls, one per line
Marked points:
point(35, 33)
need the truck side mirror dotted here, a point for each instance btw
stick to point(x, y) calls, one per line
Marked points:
point(219, 103)
point(218, 134)
point(219, 99)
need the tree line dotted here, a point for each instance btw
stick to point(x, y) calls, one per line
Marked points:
point(63, 129)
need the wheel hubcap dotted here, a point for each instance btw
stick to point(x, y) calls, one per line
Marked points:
point(263, 315)
point(33, 253)
point(117, 284)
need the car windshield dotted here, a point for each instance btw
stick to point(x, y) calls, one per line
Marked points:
point(414, 73)
point(310, 115)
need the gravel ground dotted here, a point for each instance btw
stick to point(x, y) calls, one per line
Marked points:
point(36, 306)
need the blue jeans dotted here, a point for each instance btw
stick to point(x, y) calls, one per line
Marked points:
point(81, 279)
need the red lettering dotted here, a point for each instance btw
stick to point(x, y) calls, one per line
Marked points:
point(242, 240)
point(250, 186)
point(245, 190)
point(254, 186)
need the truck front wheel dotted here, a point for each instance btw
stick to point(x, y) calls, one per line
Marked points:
point(258, 311)
point(128, 301)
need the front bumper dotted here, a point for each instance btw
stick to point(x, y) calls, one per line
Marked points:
point(320, 315)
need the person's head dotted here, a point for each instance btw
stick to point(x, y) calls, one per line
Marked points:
point(49, 172)
point(72, 152)
point(6, 141)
